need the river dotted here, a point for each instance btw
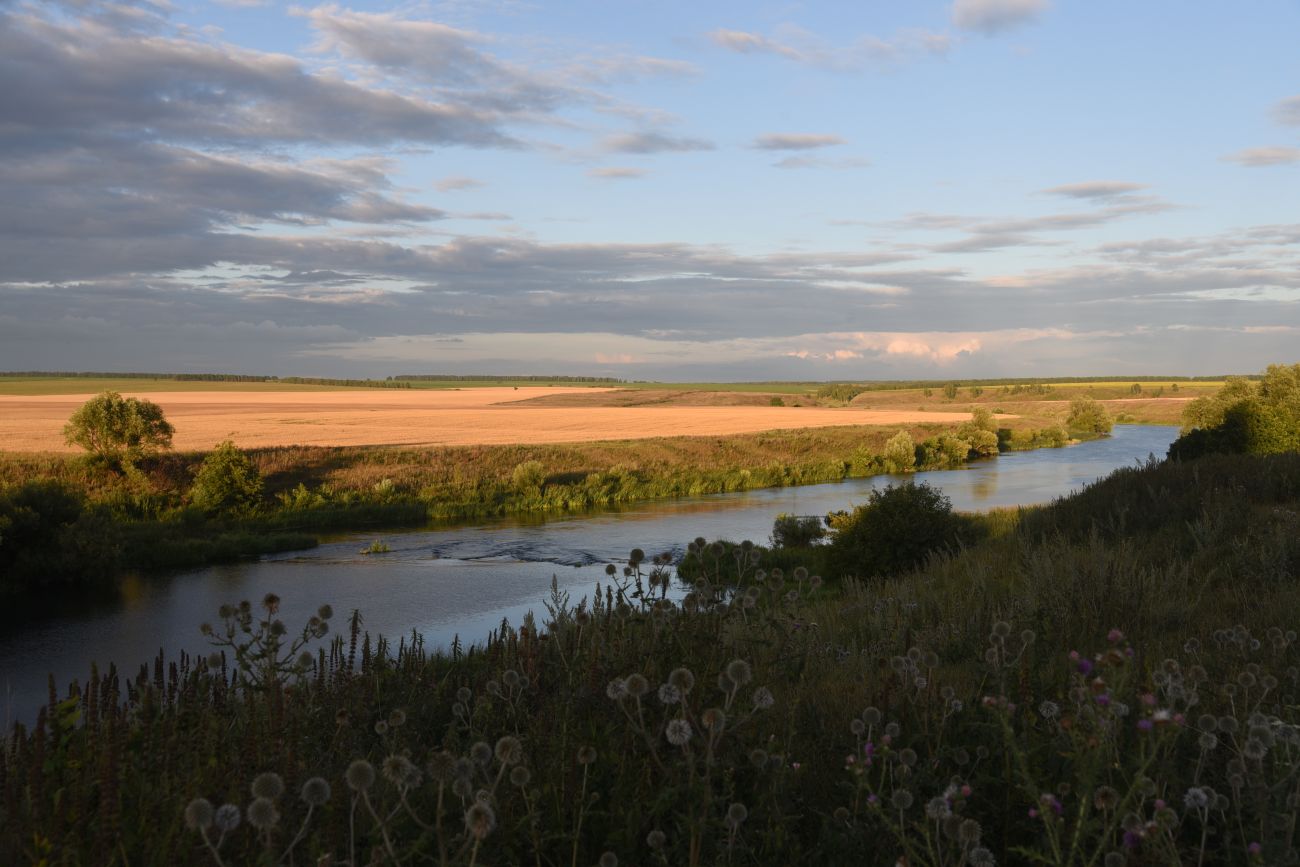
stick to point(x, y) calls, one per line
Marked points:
point(463, 579)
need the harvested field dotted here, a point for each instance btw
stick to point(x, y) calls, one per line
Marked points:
point(480, 416)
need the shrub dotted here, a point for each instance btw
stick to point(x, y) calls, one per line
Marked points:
point(1244, 417)
point(49, 539)
point(950, 391)
point(894, 531)
point(227, 483)
point(119, 430)
point(528, 476)
point(797, 531)
point(900, 453)
point(1087, 415)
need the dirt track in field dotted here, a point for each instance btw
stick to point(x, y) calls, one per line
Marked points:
point(479, 416)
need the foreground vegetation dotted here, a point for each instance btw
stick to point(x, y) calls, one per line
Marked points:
point(76, 522)
point(1109, 680)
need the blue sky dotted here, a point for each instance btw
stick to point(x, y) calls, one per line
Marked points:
point(650, 190)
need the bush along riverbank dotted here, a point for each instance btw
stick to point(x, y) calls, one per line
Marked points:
point(1112, 680)
point(72, 522)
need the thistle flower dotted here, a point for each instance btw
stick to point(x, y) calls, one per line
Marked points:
point(678, 732)
point(397, 718)
point(262, 814)
point(441, 766)
point(401, 771)
point(739, 672)
point(1001, 629)
point(736, 814)
point(762, 698)
point(463, 695)
point(1105, 798)
point(1196, 799)
point(226, 819)
point(315, 792)
point(937, 808)
point(480, 753)
point(519, 776)
point(268, 785)
point(509, 751)
point(1049, 709)
point(969, 832)
point(713, 719)
point(669, 694)
point(858, 727)
point(510, 678)
point(907, 756)
point(636, 685)
point(901, 799)
point(655, 839)
point(1254, 749)
point(198, 814)
point(758, 757)
point(871, 716)
point(360, 775)
point(586, 755)
point(480, 820)
point(981, 857)
point(682, 679)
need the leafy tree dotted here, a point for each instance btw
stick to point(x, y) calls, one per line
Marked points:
point(119, 430)
point(797, 531)
point(950, 390)
point(1244, 417)
point(51, 540)
point(227, 483)
point(1087, 415)
point(900, 453)
point(894, 531)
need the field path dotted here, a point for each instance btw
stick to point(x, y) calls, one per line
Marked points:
point(477, 416)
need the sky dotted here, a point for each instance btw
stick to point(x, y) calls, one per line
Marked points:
point(650, 190)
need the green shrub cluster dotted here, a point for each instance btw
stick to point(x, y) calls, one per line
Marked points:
point(1244, 417)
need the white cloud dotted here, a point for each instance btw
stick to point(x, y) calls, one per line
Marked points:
point(995, 16)
point(652, 143)
point(1265, 156)
point(615, 173)
point(1095, 189)
point(452, 183)
point(1288, 111)
point(796, 141)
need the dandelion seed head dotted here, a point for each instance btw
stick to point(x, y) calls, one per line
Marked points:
point(737, 813)
point(262, 814)
point(871, 716)
point(608, 859)
point(636, 685)
point(226, 819)
point(739, 672)
point(586, 755)
point(198, 814)
point(268, 785)
point(969, 832)
point(400, 771)
point(397, 718)
point(758, 757)
point(315, 791)
point(678, 732)
point(901, 799)
point(937, 808)
point(655, 839)
point(683, 679)
point(463, 695)
point(360, 775)
point(480, 820)
point(381, 727)
point(480, 753)
point(669, 694)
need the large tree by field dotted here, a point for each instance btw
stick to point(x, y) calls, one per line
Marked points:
point(119, 430)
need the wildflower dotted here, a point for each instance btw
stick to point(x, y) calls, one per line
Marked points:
point(907, 756)
point(871, 716)
point(762, 698)
point(1114, 636)
point(268, 785)
point(608, 859)
point(617, 689)
point(1228, 725)
point(669, 694)
point(360, 775)
point(397, 718)
point(655, 839)
point(463, 695)
point(736, 814)
point(739, 672)
point(226, 819)
point(381, 728)
point(511, 678)
point(480, 820)
point(401, 772)
point(981, 857)
point(315, 792)
point(1105, 798)
point(678, 732)
point(519, 776)
point(509, 751)
point(1114, 859)
point(758, 757)
point(901, 799)
point(636, 685)
point(262, 814)
point(198, 814)
point(1049, 710)
point(1001, 629)
point(441, 766)
point(937, 808)
point(1255, 849)
point(1196, 799)
point(858, 727)
point(586, 755)
point(1145, 725)
point(1254, 749)
point(682, 679)
point(969, 831)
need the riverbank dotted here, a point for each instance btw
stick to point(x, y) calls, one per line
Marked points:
point(1090, 680)
point(77, 525)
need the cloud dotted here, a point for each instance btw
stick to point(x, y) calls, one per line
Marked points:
point(800, 46)
point(453, 183)
point(801, 162)
point(652, 143)
point(795, 141)
point(1095, 189)
point(612, 173)
point(991, 17)
point(1264, 156)
point(630, 68)
point(1288, 111)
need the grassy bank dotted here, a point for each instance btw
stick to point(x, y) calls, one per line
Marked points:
point(73, 523)
point(1111, 679)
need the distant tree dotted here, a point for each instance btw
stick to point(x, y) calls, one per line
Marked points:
point(119, 430)
point(797, 531)
point(1244, 417)
point(894, 531)
point(1087, 415)
point(227, 482)
point(1135, 388)
point(950, 391)
point(900, 453)
point(776, 401)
